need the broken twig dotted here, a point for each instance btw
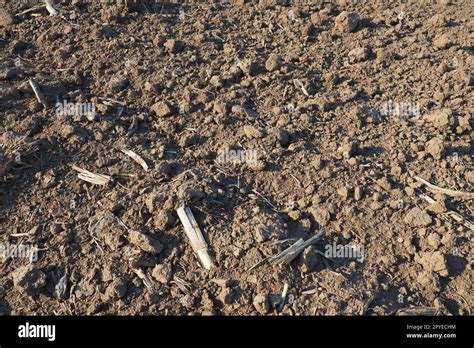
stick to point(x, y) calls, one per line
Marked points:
point(447, 192)
point(139, 272)
point(98, 179)
point(198, 243)
point(136, 158)
point(39, 95)
point(290, 253)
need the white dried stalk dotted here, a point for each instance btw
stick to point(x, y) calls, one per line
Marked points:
point(198, 243)
point(98, 179)
point(49, 6)
point(300, 85)
point(148, 283)
point(136, 158)
point(452, 214)
point(425, 311)
point(460, 219)
point(183, 285)
point(39, 95)
point(447, 192)
point(32, 9)
point(289, 254)
point(283, 296)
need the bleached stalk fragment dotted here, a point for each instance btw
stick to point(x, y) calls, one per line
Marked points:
point(198, 243)
point(136, 158)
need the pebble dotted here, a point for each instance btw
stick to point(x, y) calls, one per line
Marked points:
point(359, 54)
point(348, 149)
point(273, 62)
point(261, 303)
point(309, 259)
point(433, 261)
point(435, 147)
point(163, 109)
point(162, 273)
point(434, 240)
point(145, 242)
point(443, 42)
point(418, 218)
point(346, 22)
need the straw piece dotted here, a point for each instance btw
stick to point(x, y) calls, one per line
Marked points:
point(198, 243)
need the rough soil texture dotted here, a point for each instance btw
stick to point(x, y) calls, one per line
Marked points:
point(300, 85)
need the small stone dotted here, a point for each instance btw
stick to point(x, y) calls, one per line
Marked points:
point(273, 63)
point(434, 241)
point(163, 109)
point(173, 46)
point(441, 118)
point(343, 192)
point(309, 259)
point(316, 19)
point(383, 55)
point(348, 149)
point(145, 242)
point(433, 261)
point(322, 216)
point(317, 162)
point(216, 81)
point(6, 19)
point(29, 280)
point(435, 147)
point(261, 303)
point(346, 22)
point(359, 54)
point(442, 42)
point(418, 218)
point(252, 132)
point(162, 273)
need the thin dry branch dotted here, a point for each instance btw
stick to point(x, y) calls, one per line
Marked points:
point(289, 254)
point(136, 158)
point(198, 243)
point(447, 192)
point(98, 179)
point(39, 95)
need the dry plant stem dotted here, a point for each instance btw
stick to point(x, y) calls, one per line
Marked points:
point(452, 214)
point(136, 158)
point(39, 95)
point(32, 9)
point(289, 254)
point(198, 243)
point(283, 296)
point(49, 6)
point(448, 192)
point(98, 179)
point(148, 283)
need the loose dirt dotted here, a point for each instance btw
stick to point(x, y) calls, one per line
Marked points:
point(272, 120)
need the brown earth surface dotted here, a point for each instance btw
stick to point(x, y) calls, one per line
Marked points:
point(272, 120)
